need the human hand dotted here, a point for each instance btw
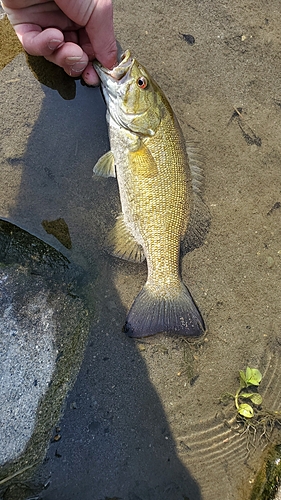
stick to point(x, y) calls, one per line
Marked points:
point(69, 33)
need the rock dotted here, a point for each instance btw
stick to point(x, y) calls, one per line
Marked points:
point(28, 353)
point(43, 330)
point(267, 482)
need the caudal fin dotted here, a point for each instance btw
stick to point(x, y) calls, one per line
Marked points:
point(151, 314)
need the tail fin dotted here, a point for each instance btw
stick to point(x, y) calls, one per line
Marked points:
point(151, 314)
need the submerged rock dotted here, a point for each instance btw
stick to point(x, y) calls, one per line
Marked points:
point(267, 485)
point(28, 354)
point(43, 331)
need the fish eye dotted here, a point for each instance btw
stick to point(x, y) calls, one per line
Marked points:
point(142, 82)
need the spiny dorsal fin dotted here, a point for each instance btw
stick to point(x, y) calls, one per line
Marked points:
point(122, 244)
point(105, 166)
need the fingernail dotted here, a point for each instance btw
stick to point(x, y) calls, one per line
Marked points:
point(73, 59)
point(55, 44)
point(78, 67)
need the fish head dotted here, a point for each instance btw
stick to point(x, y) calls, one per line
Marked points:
point(133, 99)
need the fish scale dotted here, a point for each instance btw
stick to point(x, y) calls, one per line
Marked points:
point(160, 207)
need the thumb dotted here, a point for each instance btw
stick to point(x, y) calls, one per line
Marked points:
point(101, 33)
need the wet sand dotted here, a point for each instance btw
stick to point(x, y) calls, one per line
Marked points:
point(144, 419)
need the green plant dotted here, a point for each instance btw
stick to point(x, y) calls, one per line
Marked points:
point(248, 379)
point(256, 423)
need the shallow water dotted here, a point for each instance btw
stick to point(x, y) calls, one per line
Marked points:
point(144, 418)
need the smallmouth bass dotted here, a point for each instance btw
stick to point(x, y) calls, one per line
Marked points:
point(148, 156)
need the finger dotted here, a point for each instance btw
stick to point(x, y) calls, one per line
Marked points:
point(50, 43)
point(90, 76)
point(71, 58)
point(38, 42)
point(71, 36)
point(85, 43)
point(101, 33)
point(44, 14)
point(20, 4)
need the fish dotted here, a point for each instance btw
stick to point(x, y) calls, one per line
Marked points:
point(157, 182)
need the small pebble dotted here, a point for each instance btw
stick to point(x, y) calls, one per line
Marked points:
point(270, 261)
point(188, 38)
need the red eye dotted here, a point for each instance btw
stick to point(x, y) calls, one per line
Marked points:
point(142, 82)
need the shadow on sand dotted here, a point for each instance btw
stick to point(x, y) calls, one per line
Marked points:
point(115, 441)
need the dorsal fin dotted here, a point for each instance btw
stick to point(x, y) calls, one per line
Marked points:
point(196, 165)
point(200, 218)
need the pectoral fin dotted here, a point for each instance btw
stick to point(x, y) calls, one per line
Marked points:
point(105, 166)
point(122, 244)
point(142, 162)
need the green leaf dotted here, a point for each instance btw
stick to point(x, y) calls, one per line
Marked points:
point(256, 399)
point(253, 376)
point(243, 381)
point(253, 396)
point(246, 411)
point(246, 395)
point(248, 373)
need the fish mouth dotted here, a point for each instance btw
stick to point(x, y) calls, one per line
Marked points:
point(118, 72)
point(114, 85)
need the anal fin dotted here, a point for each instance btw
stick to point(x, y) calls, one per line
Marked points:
point(105, 166)
point(122, 244)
